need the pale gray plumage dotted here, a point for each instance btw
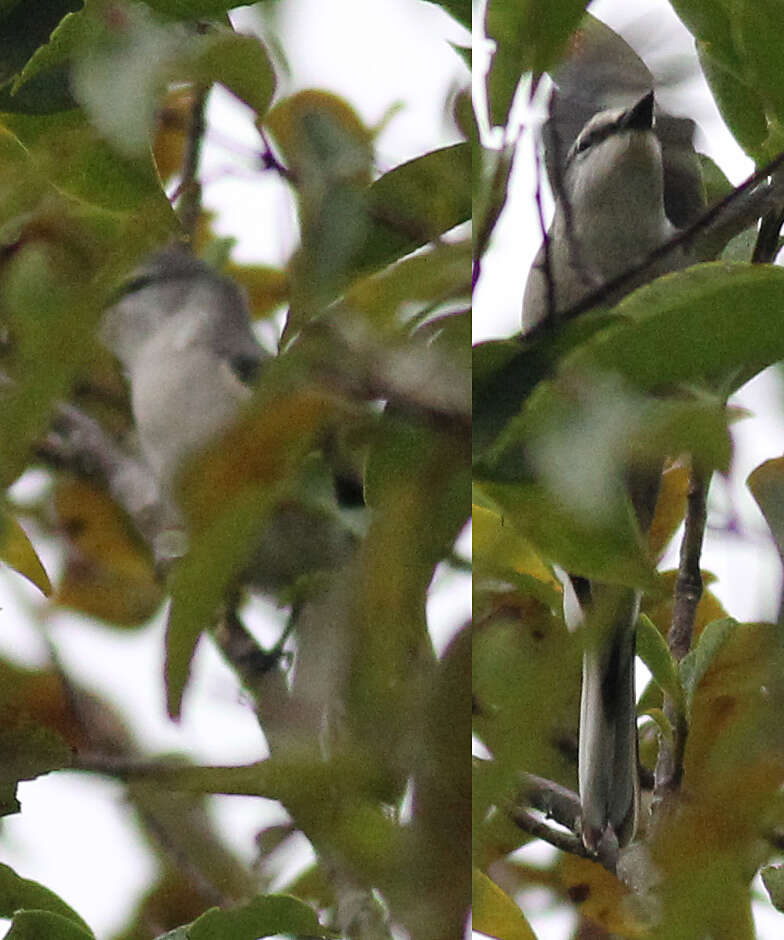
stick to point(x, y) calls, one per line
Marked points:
point(613, 182)
point(183, 333)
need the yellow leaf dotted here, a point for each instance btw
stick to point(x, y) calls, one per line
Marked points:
point(172, 127)
point(18, 553)
point(498, 546)
point(601, 897)
point(108, 574)
point(267, 287)
point(495, 913)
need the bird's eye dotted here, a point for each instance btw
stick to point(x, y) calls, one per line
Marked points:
point(246, 368)
point(584, 141)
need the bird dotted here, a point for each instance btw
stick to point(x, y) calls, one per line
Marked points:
point(609, 215)
point(183, 335)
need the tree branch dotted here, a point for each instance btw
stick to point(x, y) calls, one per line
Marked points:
point(729, 216)
point(189, 190)
point(688, 591)
point(556, 802)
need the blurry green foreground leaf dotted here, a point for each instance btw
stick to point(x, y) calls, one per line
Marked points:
point(20, 893)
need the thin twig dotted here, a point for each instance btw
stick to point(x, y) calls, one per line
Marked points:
point(552, 799)
point(270, 162)
point(681, 239)
point(565, 841)
point(688, 591)
point(189, 190)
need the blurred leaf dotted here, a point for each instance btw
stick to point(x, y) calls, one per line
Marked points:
point(698, 661)
point(413, 473)
point(109, 574)
point(732, 770)
point(201, 581)
point(710, 22)
point(659, 609)
point(433, 277)
point(227, 494)
point(499, 550)
point(322, 138)
point(33, 925)
point(529, 36)
point(495, 914)
point(329, 150)
point(66, 150)
point(172, 122)
point(505, 372)
point(262, 917)
point(17, 893)
point(119, 64)
point(65, 262)
point(766, 483)
point(662, 723)
point(601, 897)
point(606, 548)
point(459, 9)
point(661, 338)
point(267, 287)
point(739, 104)
point(773, 879)
point(526, 686)
point(24, 29)
point(670, 507)
point(654, 652)
point(239, 62)
point(17, 552)
point(416, 202)
point(760, 44)
point(27, 750)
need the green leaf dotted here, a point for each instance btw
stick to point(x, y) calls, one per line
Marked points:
point(66, 150)
point(662, 338)
point(17, 893)
point(458, 9)
point(415, 203)
point(495, 914)
point(27, 750)
point(239, 62)
point(697, 661)
point(773, 879)
point(202, 579)
point(505, 371)
point(766, 483)
point(710, 22)
point(432, 277)
point(530, 35)
point(740, 104)
point(653, 651)
point(760, 43)
point(17, 552)
point(663, 723)
point(262, 917)
point(25, 28)
point(35, 925)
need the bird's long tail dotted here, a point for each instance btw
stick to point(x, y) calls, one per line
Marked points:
point(608, 777)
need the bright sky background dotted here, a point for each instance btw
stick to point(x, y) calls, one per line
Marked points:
point(74, 835)
point(745, 562)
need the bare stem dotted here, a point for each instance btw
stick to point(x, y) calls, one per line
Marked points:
point(688, 591)
point(190, 187)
